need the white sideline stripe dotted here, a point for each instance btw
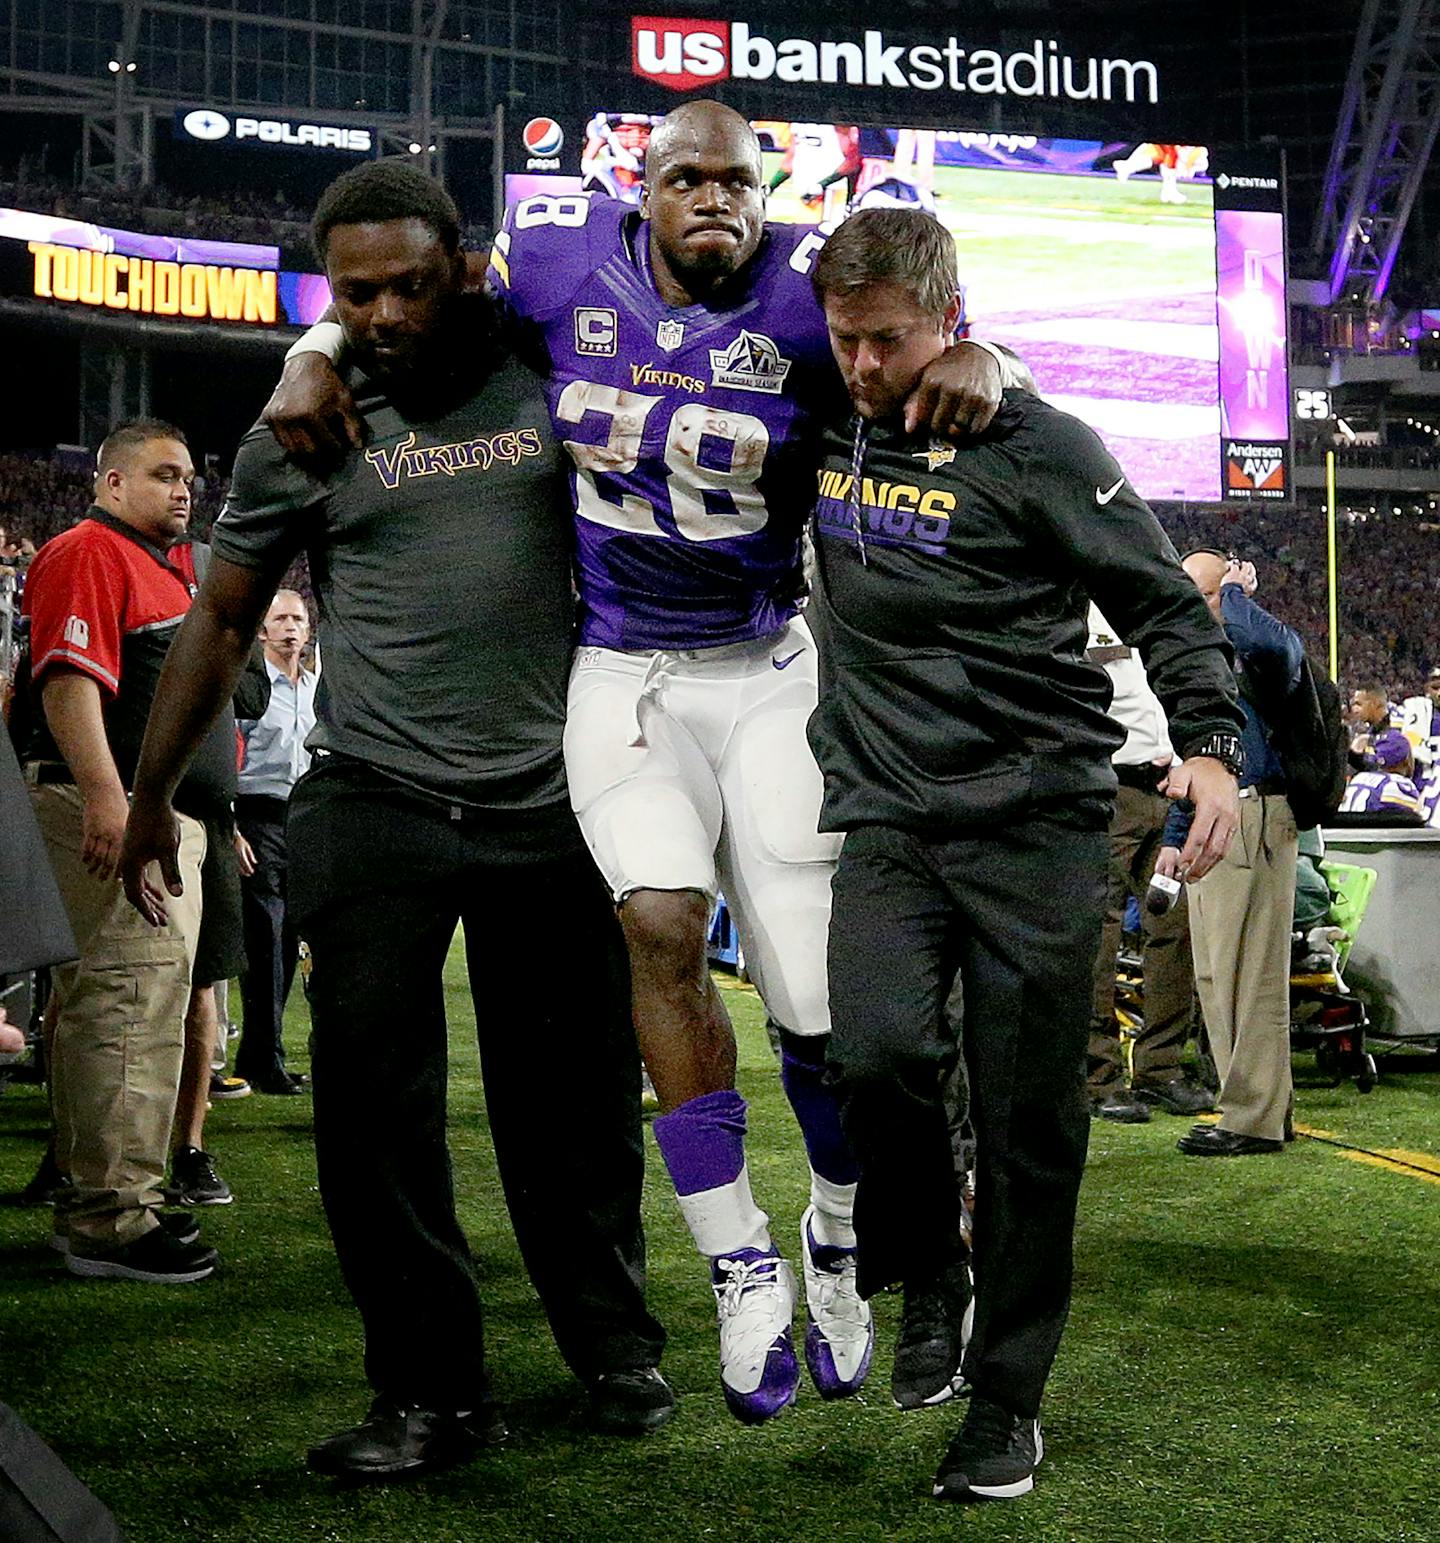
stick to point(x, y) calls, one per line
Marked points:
point(1172, 339)
point(1141, 420)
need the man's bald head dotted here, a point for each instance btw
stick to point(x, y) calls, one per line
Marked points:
point(696, 125)
point(1207, 570)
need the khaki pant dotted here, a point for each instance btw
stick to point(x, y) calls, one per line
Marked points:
point(1240, 915)
point(1135, 832)
point(120, 1037)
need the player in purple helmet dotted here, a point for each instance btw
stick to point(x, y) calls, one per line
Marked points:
point(689, 375)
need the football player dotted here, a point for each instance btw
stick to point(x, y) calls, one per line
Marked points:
point(689, 373)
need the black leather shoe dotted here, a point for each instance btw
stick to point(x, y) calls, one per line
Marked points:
point(1121, 1107)
point(283, 1086)
point(400, 1440)
point(631, 1402)
point(1211, 1141)
point(1178, 1096)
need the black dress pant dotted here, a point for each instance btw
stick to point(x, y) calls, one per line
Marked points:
point(379, 877)
point(271, 945)
point(1015, 913)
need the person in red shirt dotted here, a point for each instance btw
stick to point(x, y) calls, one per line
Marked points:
point(104, 601)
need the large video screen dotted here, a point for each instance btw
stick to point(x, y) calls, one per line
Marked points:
point(1095, 261)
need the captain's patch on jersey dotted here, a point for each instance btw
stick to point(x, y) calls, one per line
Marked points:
point(595, 329)
point(751, 363)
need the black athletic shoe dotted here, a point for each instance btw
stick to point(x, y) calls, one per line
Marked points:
point(155, 1258)
point(631, 1402)
point(1119, 1105)
point(934, 1330)
point(994, 1456)
point(194, 1181)
point(1181, 1095)
point(397, 1441)
point(183, 1228)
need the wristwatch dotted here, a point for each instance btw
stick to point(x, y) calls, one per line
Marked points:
point(1225, 748)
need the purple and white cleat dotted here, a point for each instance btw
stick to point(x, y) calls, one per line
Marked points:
point(840, 1331)
point(755, 1300)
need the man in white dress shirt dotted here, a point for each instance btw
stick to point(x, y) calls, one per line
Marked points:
point(1141, 764)
point(275, 760)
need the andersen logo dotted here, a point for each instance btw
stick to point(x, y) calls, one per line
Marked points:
point(687, 55)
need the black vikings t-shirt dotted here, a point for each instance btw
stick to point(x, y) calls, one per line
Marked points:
point(440, 556)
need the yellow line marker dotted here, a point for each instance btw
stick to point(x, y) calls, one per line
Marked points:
point(1376, 1160)
point(1426, 1160)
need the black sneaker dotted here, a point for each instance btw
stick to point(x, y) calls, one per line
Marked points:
point(934, 1330)
point(631, 1402)
point(156, 1258)
point(194, 1181)
point(402, 1440)
point(994, 1456)
point(1121, 1106)
point(183, 1228)
point(1179, 1096)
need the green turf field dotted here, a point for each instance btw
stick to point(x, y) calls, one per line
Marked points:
point(1251, 1357)
point(1040, 241)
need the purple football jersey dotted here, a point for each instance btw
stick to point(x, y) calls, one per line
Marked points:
point(1375, 792)
point(693, 430)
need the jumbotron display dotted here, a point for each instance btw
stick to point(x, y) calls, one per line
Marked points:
point(1143, 286)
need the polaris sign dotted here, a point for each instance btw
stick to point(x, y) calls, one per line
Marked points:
point(211, 125)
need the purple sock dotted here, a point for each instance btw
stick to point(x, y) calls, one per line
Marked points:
point(802, 1074)
point(703, 1141)
point(703, 1144)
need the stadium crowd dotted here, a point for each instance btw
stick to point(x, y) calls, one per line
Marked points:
point(1389, 588)
point(235, 215)
point(232, 214)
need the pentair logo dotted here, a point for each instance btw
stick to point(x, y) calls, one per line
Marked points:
point(543, 136)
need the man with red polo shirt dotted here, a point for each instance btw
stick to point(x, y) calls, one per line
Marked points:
point(104, 601)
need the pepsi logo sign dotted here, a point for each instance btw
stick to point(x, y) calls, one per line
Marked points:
point(543, 137)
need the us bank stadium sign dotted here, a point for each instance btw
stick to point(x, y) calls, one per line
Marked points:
point(688, 55)
point(211, 126)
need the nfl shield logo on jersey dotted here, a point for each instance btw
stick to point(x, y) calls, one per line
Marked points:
point(670, 335)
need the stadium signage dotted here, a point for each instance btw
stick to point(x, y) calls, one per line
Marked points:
point(686, 55)
point(111, 281)
point(213, 126)
point(1255, 469)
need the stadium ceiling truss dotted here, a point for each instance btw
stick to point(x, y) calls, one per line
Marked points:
point(1389, 118)
point(425, 72)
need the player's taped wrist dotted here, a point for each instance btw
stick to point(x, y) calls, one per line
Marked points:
point(325, 337)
